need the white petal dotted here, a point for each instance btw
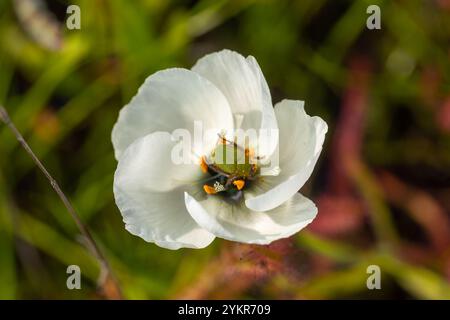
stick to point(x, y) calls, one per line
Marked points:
point(169, 100)
point(149, 191)
point(147, 165)
point(238, 223)
point(301, 140)
point(269, 122)
point(246, 90)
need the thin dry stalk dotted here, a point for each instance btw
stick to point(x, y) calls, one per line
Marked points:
point(106, 279)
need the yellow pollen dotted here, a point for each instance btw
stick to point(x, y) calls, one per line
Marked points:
point(239, 184)
point(209, 189)
point(203, 165)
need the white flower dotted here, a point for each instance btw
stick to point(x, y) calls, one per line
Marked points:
point(188, 205)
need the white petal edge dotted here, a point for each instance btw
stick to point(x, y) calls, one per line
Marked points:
point(301, 140)
point(168, 100)
point(243, 84)
point(151, 207)
point(237, 223)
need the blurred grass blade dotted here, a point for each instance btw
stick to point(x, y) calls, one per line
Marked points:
point(8, 283)
point(334, 250)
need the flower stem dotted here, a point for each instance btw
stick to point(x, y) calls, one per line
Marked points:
point(106, 274)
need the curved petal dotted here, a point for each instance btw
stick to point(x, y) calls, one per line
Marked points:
point(301, 140)
point(269, 136)
point(147, 165)
point(246, 90)
point(238, 223)
point(148, 189)
point(169, 100)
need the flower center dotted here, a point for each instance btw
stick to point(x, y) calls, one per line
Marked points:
point(232, 169)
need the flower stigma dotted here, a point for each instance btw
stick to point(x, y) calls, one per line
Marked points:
point(232, 169)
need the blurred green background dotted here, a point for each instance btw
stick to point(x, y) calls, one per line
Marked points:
point(382, 184)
